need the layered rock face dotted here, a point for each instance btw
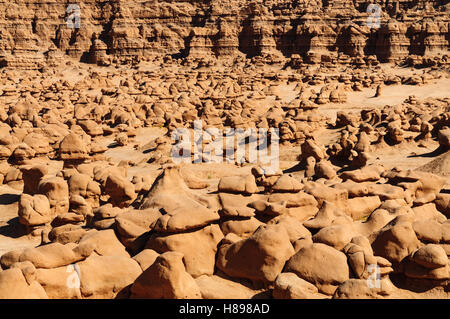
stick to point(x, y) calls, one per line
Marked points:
point(148, 178)
point(130, 30)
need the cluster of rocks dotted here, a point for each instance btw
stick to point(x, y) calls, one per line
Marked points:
point(413, 122)
point(271, 235)
point(319, 235)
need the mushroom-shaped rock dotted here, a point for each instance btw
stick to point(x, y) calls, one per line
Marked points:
point(84, 186)
point(362, 261)
point(182, 209)
point(336, 236)
point(238, 184)
point(198, 247)
point(106, 211)
point(236, 205)
point(23, 152)
point(166, 278)
point(31, 177)
point(431, 256)
point(49, 256)
point(90, 127)
point(107, 277)
point(287, 183)
point(263, 207)
point(396, 240)
point(120, 190)
point(72, 148)
point(34, 210)
point(67, 233)
point(321, 265)
point(310, 148)
point(39, 143)
point(261, 257)
point(133, 225)
point(327, 215)
point(293, 226)
point(324, 169)
point(428, 262)
point(79, 206)
point(323, 193)
point(57, 192)
point(103, 242)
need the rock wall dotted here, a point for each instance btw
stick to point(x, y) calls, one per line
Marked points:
point(316, 30)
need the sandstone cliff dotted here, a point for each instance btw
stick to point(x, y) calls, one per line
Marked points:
point(31, 31)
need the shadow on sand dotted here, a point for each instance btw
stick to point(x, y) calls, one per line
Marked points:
point(8, 199)
point(13, 229)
